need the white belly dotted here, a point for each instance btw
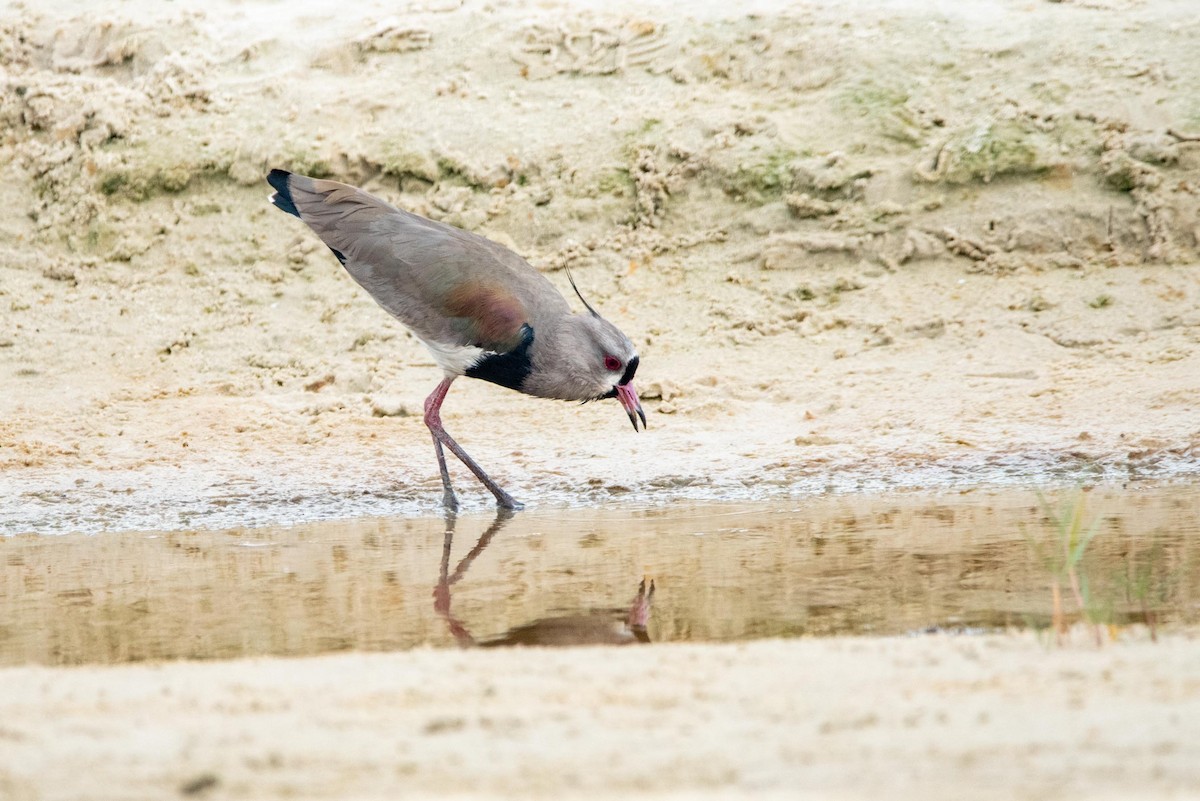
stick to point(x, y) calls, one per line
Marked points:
point(454, 359)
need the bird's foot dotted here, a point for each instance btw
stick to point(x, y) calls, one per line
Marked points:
point(506, 501)
point(449, 500)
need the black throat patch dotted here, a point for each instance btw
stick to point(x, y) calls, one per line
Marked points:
point(630, 369)
point(508, 369)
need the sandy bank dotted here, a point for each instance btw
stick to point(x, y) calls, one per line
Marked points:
point(928, 717)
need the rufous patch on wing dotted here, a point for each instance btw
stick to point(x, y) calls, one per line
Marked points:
point(496, 316)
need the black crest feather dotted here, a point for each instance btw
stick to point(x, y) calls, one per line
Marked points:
point(579, 294)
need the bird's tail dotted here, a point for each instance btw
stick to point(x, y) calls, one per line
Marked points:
point(282, 199)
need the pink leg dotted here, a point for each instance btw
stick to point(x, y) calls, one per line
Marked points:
point(448, 498)
point(433, 419)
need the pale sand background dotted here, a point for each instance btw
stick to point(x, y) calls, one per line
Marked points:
point(861, 245)
point(857, 245)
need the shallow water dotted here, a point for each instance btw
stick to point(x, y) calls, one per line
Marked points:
point(830, 565)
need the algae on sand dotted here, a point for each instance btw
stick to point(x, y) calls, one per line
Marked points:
point(994, 148)
point(885, 108)
point(140, 171)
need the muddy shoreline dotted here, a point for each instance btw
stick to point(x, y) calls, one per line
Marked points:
point(281, 494)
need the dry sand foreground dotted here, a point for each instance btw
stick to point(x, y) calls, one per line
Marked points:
point(860, 245)
point(923, 718)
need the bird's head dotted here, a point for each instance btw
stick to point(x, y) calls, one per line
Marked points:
point(608, 362)
point(595, 360)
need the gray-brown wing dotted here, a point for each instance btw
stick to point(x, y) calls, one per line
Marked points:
point(450, 286)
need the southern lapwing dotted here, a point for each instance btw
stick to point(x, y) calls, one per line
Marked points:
point(482, 310)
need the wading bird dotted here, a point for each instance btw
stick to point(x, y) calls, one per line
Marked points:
point(481, 310)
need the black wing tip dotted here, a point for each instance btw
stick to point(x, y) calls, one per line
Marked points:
point(282, 199)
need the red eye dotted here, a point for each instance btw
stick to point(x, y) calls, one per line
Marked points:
point(612, 363)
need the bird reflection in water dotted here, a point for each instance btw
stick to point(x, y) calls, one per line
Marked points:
point(594, 627)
